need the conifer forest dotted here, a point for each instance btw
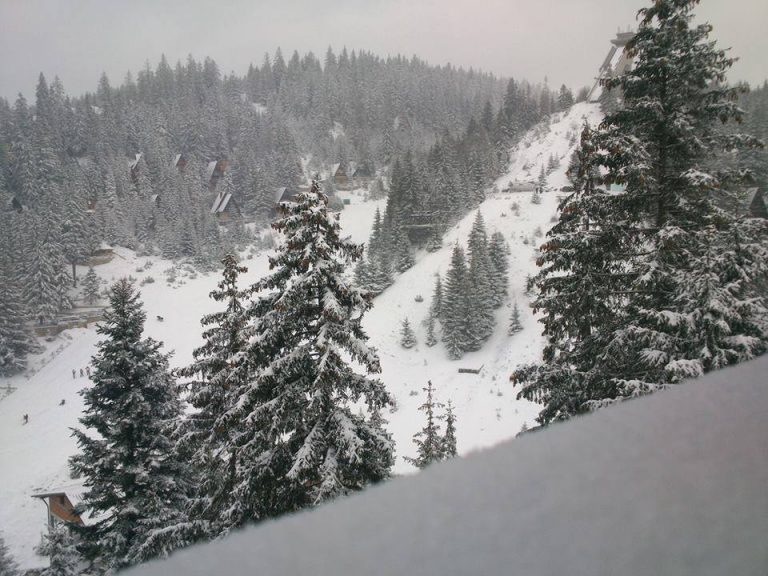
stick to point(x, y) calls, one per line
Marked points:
point(235, 298)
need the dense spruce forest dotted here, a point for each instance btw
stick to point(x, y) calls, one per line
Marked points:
point(140, 164)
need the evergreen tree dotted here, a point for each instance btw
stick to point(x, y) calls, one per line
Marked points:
point(8, 566)
point(64, 558)
point(299, 442)
point(648, 287)
point(514, 321)
point(205, 438)
point(407, 337)
point(497, 252)
point(135, 486)
point(449, 438)
point(436, 307)
point(15, 339)
point(455, 307)
point(91, 287)
point(431, 337)
point(481, 319)
point(428, 441)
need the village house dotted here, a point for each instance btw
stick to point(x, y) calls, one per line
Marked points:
point(225, 207)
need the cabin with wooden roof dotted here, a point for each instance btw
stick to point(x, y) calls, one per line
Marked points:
point(363, 174)
point(15, 205)
point(59, 507)
point(133, 166)
point(180, 162)
point(215, 171)
point(338, 174)
point(225, 207)
point(755, 204)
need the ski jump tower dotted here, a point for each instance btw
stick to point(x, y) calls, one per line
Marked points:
point(617, 62)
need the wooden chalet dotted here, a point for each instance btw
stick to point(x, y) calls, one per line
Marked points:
point(363, 174)
point(214, 172)
point(225, 207)
point(180, 162)
point(338, 174)
point(60, 508)
point(16, 205)
point(755, 204)
point(133, 166)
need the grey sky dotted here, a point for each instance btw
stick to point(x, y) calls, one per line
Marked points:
point(563, 39)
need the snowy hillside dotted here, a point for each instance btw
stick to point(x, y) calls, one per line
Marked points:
point(33, 456)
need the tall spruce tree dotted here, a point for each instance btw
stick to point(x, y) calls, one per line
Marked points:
point(449, 438)
point(647, 287)
point(407, 336)
point(481, 274)
point(135, 485)
point(497, 252)
point(428, 441)
point(91, 287)
point(299, 441)
point(15, 339)
point(455, 307)
point(205, 438)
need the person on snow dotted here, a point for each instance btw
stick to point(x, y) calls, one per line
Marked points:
point(74, 374)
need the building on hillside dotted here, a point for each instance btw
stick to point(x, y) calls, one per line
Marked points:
point(755, 204)
point(60, 507)
point(133, 166)
point(616, 63)
point(180, 162)
point(214, 172)
point(16, 205)
point(338, 174)
point(225, 207)
point(363, 175)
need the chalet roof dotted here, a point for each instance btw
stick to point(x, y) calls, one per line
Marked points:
point(133, 163)
point(755, 203)
point(222, 201)
point(210, 169)
point(335, 168)
point(363, 171)
point(176, 159)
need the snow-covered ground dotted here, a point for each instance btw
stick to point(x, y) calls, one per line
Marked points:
point(673, 483)
point(33, 457)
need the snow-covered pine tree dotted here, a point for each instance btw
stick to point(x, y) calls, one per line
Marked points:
point(15, 339)
point(667, 286)
point(455, 306)
point(402, 248)
point(436, 306)
point(8, 566)
point(136, 488)
point(689, 307)
point(480, 297)
point(431, 336)
point(497, 252)
point(514, 321)
point(428, 441)
point(64, 558)
point(299, 441)
point(407, 337)
point(449, 438)
point(91, 286)
point(205, 436)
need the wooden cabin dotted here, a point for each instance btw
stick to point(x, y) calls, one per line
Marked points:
point(15, 205)
point(215, 172)
point(225, 207)
point(180, 162)
point(133, 166)
point(363, 175)
point(339, 176)
point(60, 508)
point(755, 204)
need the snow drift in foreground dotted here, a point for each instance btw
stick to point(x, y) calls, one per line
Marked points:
point(669, 484)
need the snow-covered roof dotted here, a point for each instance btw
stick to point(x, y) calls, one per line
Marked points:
point(133, 163)
point(674, 483)
point(221, 202)
point(210, 168)
point(176, 160)
point(334, 169)
point(279, 193)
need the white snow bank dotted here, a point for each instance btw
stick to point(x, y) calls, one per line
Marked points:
point(669, 484)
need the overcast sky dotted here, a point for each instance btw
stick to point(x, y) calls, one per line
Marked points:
point(562, 39)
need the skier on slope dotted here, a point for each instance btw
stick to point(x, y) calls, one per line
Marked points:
point(74, 374)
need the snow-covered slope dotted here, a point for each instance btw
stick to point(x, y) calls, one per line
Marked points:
point(33, 456)
point(674, 483)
